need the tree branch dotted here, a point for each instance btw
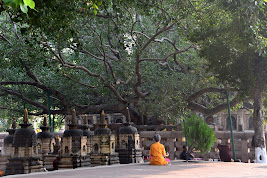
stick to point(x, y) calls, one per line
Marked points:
point(204, 110)
point(10, 109)
point(5, 39)
point(133, 23)
point(139, 79)
point(74, 66)
point(92, 55)
point(208, 90)
point(30, 74)
point(97, 108)
point(164, 59)
point(8, 91)
point(184, 68)
point(165, 28)
point(105, 62)
point(196, 11)
point(15, 30)
point(88, 86)
point(165, 64)
point(38, 84)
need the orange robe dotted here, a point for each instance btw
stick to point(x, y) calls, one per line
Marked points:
point(157, 151)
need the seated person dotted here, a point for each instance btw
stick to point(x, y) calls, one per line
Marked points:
point(157, 152)
point(224, 152)
point(184, 153)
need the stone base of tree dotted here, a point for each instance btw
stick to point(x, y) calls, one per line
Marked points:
point(260, 155)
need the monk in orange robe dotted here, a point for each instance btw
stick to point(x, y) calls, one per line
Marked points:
point(157, 152)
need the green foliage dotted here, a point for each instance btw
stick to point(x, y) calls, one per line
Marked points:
point(58, 122)
point(199, 135)
point(232, 37)
point(23, 4)
point(68, 27)
point(5, 121)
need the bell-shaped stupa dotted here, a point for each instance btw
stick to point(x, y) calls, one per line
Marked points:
point(24, 158)
point(103, 142)
point(128, 143)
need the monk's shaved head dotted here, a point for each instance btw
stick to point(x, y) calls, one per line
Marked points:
point(157, 137)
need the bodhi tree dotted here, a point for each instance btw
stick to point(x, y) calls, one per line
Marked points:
point(233, 38)
point(127, 54)
point(118, 57)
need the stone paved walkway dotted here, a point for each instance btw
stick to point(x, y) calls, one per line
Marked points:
point(177, 169)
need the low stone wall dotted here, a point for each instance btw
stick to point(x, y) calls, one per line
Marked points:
point(174, 141)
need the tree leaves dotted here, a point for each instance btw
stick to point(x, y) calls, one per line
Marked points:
point(22, 4)
point(199, 135)
point(107, 40)
point(23, 8)
point(29, 3)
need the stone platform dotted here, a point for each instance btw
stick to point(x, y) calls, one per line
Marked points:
point(177, 169)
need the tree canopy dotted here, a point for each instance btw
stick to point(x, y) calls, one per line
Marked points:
point(234, 41)
point(91, 55)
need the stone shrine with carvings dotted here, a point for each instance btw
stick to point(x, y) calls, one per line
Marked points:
point(8, 141)
point(24, 158)
point(88, 134)
point(128, 143)
point(73, 147)
point(45, 145)
point(94, 119)
point(103, 142)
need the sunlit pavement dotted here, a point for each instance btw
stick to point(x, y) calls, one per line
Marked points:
point(177, 169)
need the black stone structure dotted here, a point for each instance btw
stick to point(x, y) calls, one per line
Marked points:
point(24, 157)
point(128, 143)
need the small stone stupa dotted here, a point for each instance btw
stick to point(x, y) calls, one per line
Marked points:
point(88, 134)
point(7, 150)
point(45, 145)
point(73, 146)
point(8, 141)
point(24, 158)
point(128, 145)
point(103, 151)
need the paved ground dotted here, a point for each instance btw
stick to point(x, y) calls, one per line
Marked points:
point(177, 169)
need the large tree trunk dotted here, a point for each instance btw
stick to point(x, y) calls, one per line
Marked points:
point(258, 117)
point(259, 137)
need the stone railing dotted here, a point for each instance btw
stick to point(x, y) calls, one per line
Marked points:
point(174, 141)
point(2, 137)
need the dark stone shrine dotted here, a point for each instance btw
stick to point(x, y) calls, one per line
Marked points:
point(45, 145)
point(24, 158)
point(103, 141)
point(73, 147)
point(128, 143)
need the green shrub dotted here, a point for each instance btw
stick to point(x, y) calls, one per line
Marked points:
point(199, 135)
